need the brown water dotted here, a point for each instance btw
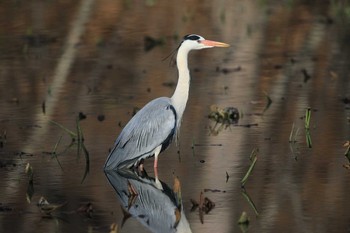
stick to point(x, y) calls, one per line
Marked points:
point(89, 57)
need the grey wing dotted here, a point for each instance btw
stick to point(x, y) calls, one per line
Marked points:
point(153, 125)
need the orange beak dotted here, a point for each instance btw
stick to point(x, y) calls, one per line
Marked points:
point(214, 43)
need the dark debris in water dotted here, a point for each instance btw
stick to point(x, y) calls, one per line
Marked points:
point(22, 153)
point(101, 117)
point(135, 110)
point(6, 164)
point(227, 115)
point(5, 208)
point(86, 209)
point(307, 76)
point(347, 152)
point(81, 116)
point(150, 43)
point(228, 70)
point(47, 208)
point(214, 190)
point(169, 84)
point(38, 40)
point(345, 100)
point(3, 139)
point(204, 206)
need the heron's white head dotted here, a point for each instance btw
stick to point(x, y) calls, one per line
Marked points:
point(196, 42)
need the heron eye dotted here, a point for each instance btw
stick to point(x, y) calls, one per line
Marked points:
point(191, 37)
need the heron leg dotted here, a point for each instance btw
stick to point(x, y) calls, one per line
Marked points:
point(156, 153)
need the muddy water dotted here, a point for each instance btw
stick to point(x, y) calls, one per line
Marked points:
point(60, 58)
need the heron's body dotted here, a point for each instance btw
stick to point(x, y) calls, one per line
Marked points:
point(158, 121)
point(153, 128)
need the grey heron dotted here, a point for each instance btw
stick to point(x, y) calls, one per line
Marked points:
point(152, 129)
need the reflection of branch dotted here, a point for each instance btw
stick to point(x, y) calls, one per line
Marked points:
point(292, 149)
point(249, 200)
point(308, 138)
point(77, 139)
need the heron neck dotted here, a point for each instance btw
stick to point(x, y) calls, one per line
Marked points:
point(180, 96)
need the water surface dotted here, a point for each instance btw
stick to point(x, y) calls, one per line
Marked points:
point(60, 58)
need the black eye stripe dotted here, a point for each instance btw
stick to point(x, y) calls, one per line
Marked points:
point(191, 37)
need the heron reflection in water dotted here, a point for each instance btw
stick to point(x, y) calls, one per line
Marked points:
point(151, 201)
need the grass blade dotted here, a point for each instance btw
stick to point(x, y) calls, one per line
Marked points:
point(249, 200)
point(308, 139)
point(307, 118)
point(245, 178)
point(71, 133)
point(54, 152)
point(291, 134)
point(87, 162)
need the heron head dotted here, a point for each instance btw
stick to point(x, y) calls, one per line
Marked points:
point(193, 41)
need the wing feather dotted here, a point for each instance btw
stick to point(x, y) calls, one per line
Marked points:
point(153, 125)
